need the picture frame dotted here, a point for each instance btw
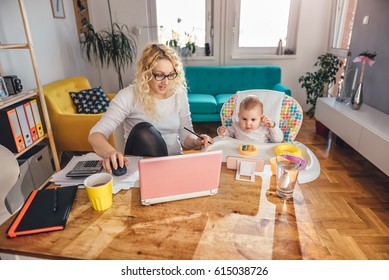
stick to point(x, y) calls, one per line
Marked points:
point(57, 8)
point(81, 12)
point(3, 88)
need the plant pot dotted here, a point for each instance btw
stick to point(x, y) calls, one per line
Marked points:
point(321, 129)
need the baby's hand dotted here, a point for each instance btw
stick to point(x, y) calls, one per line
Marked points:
point(221, 130)
point(268, 122)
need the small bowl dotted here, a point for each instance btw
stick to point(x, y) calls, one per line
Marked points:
point(287, 148)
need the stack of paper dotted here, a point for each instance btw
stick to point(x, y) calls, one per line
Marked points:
point(124, 182)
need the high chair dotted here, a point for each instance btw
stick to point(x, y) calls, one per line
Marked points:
point(278, 106)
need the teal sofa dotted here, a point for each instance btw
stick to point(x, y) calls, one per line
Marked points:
point(210, 86)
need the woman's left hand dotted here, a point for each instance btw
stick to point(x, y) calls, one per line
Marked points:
point(204, 141)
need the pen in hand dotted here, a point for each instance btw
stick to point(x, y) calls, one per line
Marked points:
point(196, 135)
point(55, 200)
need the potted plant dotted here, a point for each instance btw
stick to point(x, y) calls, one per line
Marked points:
point(116, 46)
point(317, 83)
point(186, 48)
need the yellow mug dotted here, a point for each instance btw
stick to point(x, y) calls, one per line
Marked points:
point(99, 189)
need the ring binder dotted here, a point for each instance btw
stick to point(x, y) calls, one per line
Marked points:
point(11, 135)
point(24, 125)
point(37, 118)
point(30, 121)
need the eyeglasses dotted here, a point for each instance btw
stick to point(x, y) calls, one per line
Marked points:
point(161, 77)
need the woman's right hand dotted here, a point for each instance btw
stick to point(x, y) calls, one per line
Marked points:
point(112, 159)
point(103, 148)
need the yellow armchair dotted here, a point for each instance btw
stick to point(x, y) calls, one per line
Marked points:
point(70, 129)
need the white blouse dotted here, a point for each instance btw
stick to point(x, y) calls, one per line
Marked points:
point(173, 115)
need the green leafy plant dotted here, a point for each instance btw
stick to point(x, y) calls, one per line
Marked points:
point(316, 82)
point(114, 46)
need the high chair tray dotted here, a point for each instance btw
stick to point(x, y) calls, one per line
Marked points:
point(265, 151)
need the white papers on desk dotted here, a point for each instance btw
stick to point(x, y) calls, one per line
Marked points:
point(124, 182)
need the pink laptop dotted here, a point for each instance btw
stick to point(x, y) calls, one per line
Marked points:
point(179, 177)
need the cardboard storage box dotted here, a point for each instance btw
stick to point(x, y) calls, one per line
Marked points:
point(40, 165)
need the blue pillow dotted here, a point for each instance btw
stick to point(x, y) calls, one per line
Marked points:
point(90, 101)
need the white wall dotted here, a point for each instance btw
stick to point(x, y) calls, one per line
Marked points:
point(55, 42)
point(132, 13)
point(59, 55)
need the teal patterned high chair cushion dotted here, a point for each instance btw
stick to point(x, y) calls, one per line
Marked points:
point(291, 116)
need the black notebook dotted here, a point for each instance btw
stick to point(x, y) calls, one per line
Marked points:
point(43, 211)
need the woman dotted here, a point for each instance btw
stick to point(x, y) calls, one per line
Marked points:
point(158, 98)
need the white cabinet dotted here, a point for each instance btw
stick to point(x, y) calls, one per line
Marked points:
point(366, 129)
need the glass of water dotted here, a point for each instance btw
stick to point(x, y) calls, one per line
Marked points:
point(287, 172)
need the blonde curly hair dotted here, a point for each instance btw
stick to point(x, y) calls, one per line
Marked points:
point(150, 55)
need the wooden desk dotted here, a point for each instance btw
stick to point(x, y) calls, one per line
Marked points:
point(242, 221)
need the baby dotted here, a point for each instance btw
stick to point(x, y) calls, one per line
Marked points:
point(253, 124)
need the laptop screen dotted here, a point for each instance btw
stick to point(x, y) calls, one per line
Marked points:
point(170, 178)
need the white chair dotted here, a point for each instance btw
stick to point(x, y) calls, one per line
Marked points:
point(9, 174)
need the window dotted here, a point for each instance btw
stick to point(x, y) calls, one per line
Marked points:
point(267, 29)
point(188, 20)
point(234, 29)
point(342, 24)
point(260, 24)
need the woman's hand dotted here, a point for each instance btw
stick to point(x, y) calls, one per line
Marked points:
point(204, 141)
point(103, 148)
point(112, 159)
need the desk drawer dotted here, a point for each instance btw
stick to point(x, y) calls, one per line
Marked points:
point(340, 124)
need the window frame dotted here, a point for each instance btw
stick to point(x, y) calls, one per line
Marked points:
point(255, 52)
point(337, 22)
point(209, 28)
point(219, 31)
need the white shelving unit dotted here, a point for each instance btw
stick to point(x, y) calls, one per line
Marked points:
point(366, 129)
point(37, 93)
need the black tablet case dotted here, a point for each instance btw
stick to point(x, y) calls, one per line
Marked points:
point(37, 214)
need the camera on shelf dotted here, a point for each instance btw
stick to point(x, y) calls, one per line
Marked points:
point(13, 84)
point(3, 88)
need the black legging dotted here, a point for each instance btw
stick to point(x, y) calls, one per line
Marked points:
point(145, 140)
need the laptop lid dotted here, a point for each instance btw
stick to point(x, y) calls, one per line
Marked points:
point(179, 177)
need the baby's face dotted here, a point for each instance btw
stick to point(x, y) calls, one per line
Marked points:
point(250, 120)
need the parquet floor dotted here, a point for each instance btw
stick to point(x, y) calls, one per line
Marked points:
point(348, 203)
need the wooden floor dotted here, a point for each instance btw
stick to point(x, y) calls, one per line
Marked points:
point(348, 203)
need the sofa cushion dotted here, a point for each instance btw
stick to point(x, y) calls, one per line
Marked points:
point(216, 80)
point(221, 99)
point(90, 101)
point(202, 103)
